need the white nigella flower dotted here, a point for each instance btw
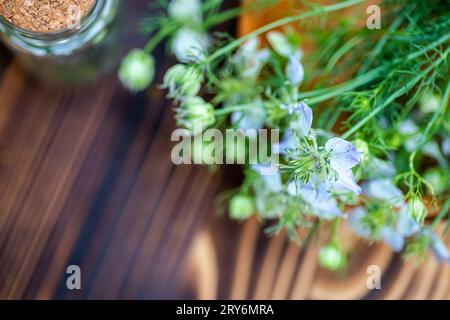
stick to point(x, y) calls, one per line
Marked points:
point(383, 190)
point(187, 11)
point(281, 45)
point(189, 45)
point(343, 154)
point(294, 71)
point(250, 59)
point(252, 117)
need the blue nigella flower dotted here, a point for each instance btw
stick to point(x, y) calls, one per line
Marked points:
point(317, 197)
point(251, 118)
point(346, 181)
point(438, 248)
point(294, 71)
point(343, 154)
point(270, 175)
point(383, 190)
point(446, 146)
point(393, 236)
point(303, 117)
point(250, 59)
point(299, 127)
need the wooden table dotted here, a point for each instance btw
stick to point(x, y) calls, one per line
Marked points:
point(86, 179)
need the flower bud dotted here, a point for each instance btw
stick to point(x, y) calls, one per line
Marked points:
point(182, 81)
point(282, 46)
point(294, 71)
point(189, 45)
point(187, 11)
point(195, 111)
point(417, 209)
point(241, 207)
point(331, 257)
point(363, 148)
point(438, 179)
point(137, 70)
point(429, 102)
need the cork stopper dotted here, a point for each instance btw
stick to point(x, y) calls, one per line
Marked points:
point(45, 15)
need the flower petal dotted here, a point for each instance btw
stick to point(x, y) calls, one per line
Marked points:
point(303, 118)
point(270, 175)
point(392, 238)
point(294, 71)
point(439, 249)
point(355, 219)
point(406, 225)
point(252, 118)
point(346, 180)
point(384, 190)
point(189, 45)
point(281, 45)
point(343, 154)
point(326, 209)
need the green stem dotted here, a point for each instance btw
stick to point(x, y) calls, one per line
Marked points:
point(157, 38)
point(278, 23)
point(320, 95)
point(324, 94)
point(406, 88)
point(334, 230)
point(380, 44)
point(222, 17)
point(230, 109)
point(353, 42)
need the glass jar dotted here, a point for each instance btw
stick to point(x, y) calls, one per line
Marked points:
point(77, 55)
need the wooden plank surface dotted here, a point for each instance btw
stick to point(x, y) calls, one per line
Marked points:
point(86, 179)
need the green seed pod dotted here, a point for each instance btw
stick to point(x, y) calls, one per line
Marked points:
point(137, 70)
point(362, 147)
point(331, 257)
point(193, 112)
point(241, 207)
point(417, 209)
point(183, 81)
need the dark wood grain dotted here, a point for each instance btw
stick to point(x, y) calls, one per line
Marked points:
point(86, 179)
